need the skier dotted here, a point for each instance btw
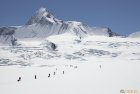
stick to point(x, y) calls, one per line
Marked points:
point(35, 77)
point(49, 75)
point(63, 72)
point(19, 79)
point(54, 73)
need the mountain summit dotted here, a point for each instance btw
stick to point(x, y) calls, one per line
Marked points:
point(43, 24)
point(42, 16)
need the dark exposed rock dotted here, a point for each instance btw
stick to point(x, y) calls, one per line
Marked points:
point(49, 45)
point(111, 34)
point(7, 30)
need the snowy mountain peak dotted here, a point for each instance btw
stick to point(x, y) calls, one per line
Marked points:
point(42, 9)
point(43, 12)
point(42, 16)
point(43, 24)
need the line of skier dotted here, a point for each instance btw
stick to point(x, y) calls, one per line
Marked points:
point(49, 75)
point(35, 76)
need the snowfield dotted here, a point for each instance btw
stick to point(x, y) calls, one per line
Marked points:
point(89, 65)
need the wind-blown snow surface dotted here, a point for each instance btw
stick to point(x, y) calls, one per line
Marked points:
point(91, 65)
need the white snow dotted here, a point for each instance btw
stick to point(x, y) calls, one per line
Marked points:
point(80, 59)
point(135, 35)
point(86, 79)
point(91, 65)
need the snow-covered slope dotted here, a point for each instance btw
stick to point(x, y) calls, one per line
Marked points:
point(135, 35)
point(70, 47)
point(91, 65)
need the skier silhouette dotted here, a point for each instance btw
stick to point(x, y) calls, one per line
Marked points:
point(35, 77)
point(49, 75)
point(19, 79)
point(63, 72)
